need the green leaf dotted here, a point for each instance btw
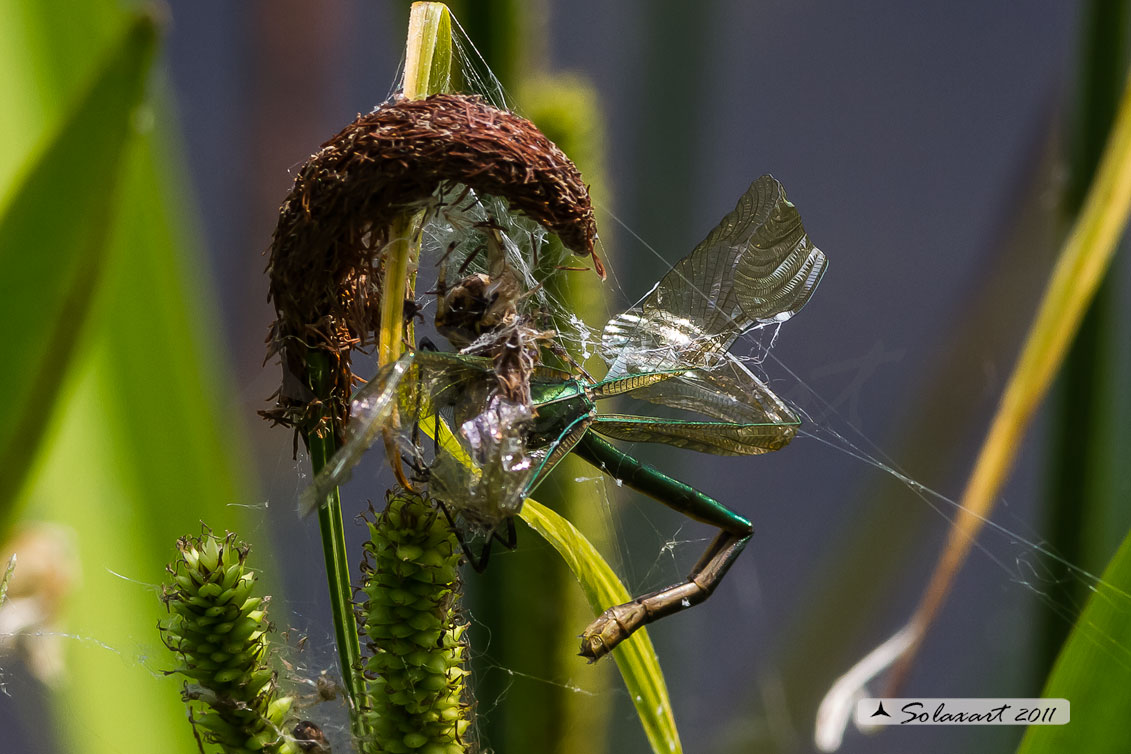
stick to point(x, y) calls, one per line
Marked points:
point(1093, 672)
point(47, 59)
point(141, 455)
point(440, 74)
point(53, 243)
point(635, 657)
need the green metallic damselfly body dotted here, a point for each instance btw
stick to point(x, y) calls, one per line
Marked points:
point(757, 268)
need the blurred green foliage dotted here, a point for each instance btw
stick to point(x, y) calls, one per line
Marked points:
point(124, 442)
point(1093, 672)
point(1085, 509)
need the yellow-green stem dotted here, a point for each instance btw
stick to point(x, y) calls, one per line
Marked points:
point(1078, 272)
point(401, 256)
point(428, 63)
point(429, 46)
point(428, 59)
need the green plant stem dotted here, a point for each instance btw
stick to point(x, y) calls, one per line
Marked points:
point(428, 65)
point(430, 31)
point(428, 57)
point(321, 448)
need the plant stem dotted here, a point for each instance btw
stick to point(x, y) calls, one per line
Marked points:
point(427, 70)
point(401, 255)
point(322, 447)
point(428, 53)
point(428, 63)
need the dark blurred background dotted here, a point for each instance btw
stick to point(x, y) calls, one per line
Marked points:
point(927, 148)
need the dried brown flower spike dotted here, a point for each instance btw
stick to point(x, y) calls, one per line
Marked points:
point(335, 222)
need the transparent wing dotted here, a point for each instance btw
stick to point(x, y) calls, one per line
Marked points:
point(751, 419)
point(487, 483)
point(371, 411)
point(720, 438)
point(757, 267)
point(727, 391)
point(416, 386)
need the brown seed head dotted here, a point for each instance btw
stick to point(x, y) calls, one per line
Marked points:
point(326, 251)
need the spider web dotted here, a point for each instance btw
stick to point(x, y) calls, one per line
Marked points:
point(1009, 541)
point(1015, 549)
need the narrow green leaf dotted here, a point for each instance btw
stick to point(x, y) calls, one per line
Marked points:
point(1085, 511)
point(1093, 671)
point(428, 60)
point(53, 242)
point(48, 59)
point(635, 657)
point(440, 74)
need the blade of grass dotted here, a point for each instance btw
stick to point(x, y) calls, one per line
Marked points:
point(636, 657)
point(47, 60)
point(1093, 672)
point(428, 63)
point(1084, 509)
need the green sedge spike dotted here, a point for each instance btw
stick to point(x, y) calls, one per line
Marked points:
point(415, 672)
point(218, 630)
point(7, 578)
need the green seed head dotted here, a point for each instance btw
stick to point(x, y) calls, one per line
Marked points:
point(410, 617)
point(218, 632)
